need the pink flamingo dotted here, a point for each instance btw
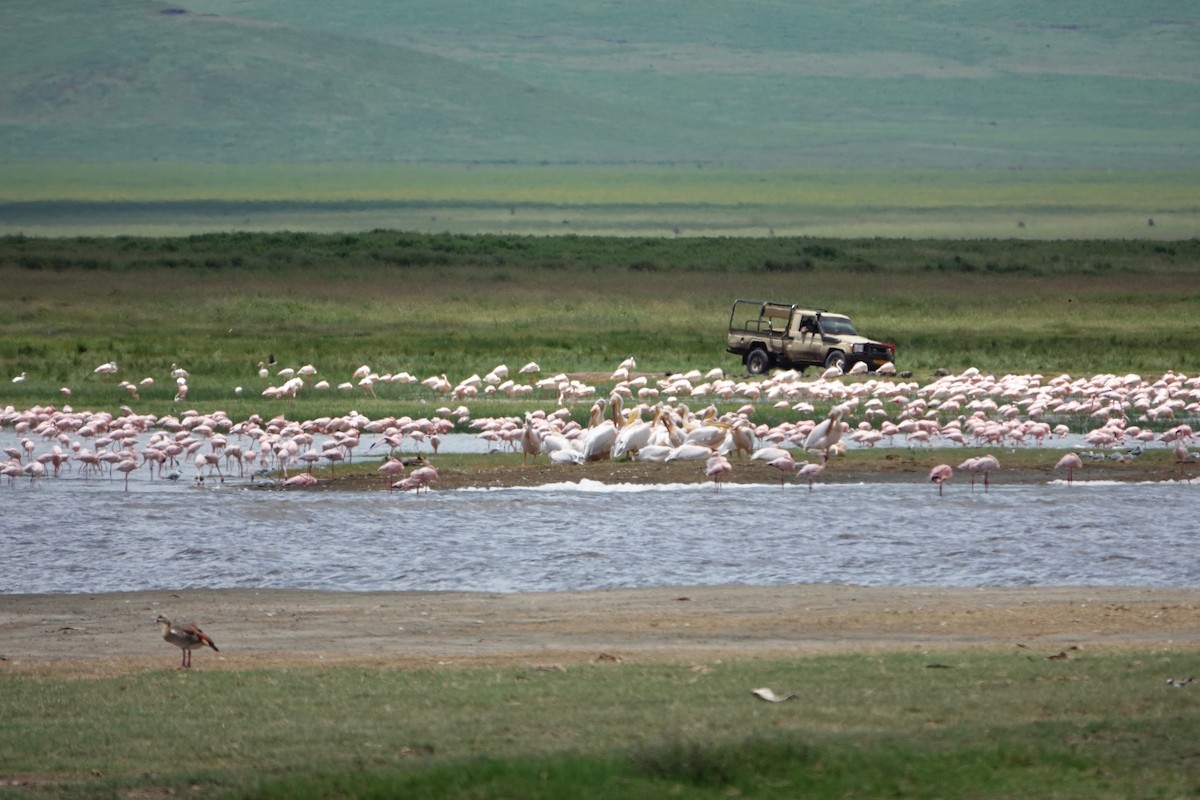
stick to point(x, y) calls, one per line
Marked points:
point(717, 468)
point(424, 476)
point(940, 474)
point(404, 484)
point(12, 470)
point(785, 464)
point(127, 466)
point(35, 470)
point(300, 479)
point(984, 464)
point(332, 456)
point(811, 471)
point(1182, 456)
point(1070, 462)
point(390, 468)
point(971, 466)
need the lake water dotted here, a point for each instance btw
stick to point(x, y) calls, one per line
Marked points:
point(72, 535)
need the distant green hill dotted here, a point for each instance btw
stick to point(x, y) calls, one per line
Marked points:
point(757, 83)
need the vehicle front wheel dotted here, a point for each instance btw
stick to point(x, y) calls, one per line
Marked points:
point(758, 362)
point(836, 358)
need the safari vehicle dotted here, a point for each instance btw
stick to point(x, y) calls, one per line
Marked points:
point(767, 335)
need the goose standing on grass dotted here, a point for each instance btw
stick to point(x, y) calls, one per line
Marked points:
point(185, 637)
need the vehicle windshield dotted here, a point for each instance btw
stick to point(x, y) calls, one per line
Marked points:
point(837, 326)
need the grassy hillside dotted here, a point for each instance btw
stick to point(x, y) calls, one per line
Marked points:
point(763, 83)
point(1063, 120)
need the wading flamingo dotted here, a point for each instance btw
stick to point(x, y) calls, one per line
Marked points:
point(390, 469)
point(1070, 462)
point(717, 468)
point(126, 466)
point(980, 464)
point(811, 472)
point(940, 474)
point(785, 464)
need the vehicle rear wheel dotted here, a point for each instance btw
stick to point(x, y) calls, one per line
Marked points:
point(758, 361)
point(836, 358)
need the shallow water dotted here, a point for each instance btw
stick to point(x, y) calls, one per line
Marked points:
point(71, 535)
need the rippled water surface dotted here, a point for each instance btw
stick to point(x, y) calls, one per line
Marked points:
point(70, 535)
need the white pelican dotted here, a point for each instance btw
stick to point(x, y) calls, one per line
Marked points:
point(531, 441)
point(635, 434)
point(690, 451)
point(653, 452)
point(826, 433)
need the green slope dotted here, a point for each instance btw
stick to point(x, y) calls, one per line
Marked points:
point(138, 82)
point(762, 83)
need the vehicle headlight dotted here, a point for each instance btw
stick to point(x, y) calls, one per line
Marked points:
point(858, 348)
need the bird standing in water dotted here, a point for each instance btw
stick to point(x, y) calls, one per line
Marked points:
point(1070, 462)
point(940, 474)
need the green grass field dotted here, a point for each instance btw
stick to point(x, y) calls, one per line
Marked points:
point(987, 725)
point(67, 199)
point(432, 304)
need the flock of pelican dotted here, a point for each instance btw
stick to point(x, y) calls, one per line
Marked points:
point(639, 417)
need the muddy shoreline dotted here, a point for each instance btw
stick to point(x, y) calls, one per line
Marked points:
point(880, 468)
point(108, 634)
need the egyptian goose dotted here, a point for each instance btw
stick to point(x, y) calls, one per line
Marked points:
point(185, 637)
